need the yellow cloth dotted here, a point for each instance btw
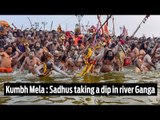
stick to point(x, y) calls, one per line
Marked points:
point(86, 70)
point(88, 65)
point(89, 54)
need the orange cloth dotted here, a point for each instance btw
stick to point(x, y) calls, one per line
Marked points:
point(6, 70)
point(76, 40)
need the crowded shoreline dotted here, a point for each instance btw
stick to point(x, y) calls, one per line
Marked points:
point(75, 54)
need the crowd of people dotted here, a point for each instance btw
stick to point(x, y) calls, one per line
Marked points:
point(74, 54)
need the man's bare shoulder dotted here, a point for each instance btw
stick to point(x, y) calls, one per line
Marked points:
point(36, 58)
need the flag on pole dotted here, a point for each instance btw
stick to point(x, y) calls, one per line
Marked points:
point(124, 32)
point(59, 29)
point(105, 28)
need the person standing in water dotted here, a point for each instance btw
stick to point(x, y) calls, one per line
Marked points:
point(38, 50)
point(47, 64)
point(6, 60)
point(30, 61)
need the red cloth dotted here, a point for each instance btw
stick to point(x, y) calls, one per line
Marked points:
point(127, 61)
point(122, 41)
point(76, 40)
point(68, 35)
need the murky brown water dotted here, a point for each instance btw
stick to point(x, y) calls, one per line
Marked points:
point(127, 76)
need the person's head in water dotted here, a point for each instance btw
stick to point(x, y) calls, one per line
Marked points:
point(31, 54)
point(37, 46)
point(9, 50)
point(109, 55)
point(143, 46)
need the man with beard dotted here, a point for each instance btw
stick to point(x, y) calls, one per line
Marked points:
point(113, 59)
point(30, 61)
point(107, 63)
point(147, 60)
point(38, 50)
point(6, 60)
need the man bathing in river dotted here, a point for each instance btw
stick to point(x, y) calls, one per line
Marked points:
point(30, 61)
point(38, 50)
point(68, 54)
point(47, 64)
point(5, 59)
point(112, 59)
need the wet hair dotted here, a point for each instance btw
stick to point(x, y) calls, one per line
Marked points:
point(133, 46)
point(127, 38)
point(43, 58)
point(2, 42)
point(70, 40)
point(149, 51)
point(13, 49)
point(31, 46)
point(63, 58)
point(142, 47)
point(2, 47)
point(107, 57)
point(113, 45)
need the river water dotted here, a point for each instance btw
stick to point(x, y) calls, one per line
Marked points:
point(126, 76)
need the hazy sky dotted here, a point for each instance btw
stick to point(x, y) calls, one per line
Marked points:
point(131, 22)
